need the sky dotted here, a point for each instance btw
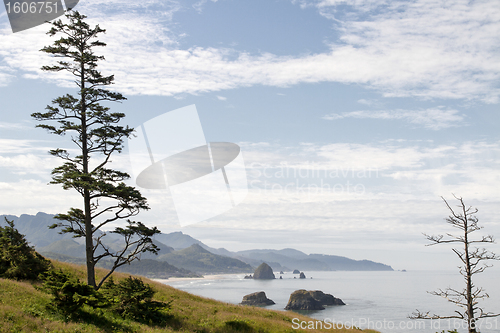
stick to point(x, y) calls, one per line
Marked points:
point(354, 117)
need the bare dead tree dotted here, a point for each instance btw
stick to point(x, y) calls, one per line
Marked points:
point(473, 262)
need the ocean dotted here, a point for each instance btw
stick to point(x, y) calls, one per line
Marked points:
point(378, 300)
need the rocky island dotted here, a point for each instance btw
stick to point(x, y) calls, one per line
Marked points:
point(311, 300)
point(263, 272)
point(257, 299)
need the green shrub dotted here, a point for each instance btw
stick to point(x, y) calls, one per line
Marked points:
point(132, 299)
point(69, 292)
point(18, 260)
point(238, 326)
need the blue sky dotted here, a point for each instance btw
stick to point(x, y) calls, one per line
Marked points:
point(392, 103)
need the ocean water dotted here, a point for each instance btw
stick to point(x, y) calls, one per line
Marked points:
point(377, 300)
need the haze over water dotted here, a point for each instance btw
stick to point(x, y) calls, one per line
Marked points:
point(377, 300)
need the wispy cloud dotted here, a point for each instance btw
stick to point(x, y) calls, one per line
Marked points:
point(13, 146)
point(401, 192)
point(5, 76)
point(434, 118)
point(429, 49)
point(29, 164)
point(15, 126)
point(199, 5)
point(48, 197)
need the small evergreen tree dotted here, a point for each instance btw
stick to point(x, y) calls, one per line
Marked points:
point(18, 260)
point(69, 294)
point(133, 299)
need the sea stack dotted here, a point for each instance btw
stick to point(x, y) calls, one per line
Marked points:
point(257, 299)
point(325, 299)
point(264, 272)
point(302, 300)
point(311, 300)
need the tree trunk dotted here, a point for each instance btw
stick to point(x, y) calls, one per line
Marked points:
point(89, 243)
point(471, 321)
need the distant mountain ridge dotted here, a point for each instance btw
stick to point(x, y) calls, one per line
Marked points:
point(197, 259)
point(177, 249)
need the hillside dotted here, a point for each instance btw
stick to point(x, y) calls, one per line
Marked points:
point(36, 227)
point(195, 258)
point(177, 240)
point(59, 246)
point(65, 247)
point(153, 269)
point(22, 309)
point(294, 259)
point(71, 248)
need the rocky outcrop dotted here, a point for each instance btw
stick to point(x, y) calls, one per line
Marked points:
point(257, 299)
point(311, 300)
point(264, 271)
point(325, 299)
point(302, 275)
point(296, 271)
point(302, 300)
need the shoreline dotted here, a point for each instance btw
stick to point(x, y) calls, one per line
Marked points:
point(205, 277)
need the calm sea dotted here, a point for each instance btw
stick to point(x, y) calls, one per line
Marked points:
point(378, 300)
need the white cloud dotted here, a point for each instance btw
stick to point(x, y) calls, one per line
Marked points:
point(28, 164)
point(434, 48)
point(366, 102)
point(5, 77)
point(221, 98)
point(400, 200)
point(403, 170)
point(430, 49)
point(199, 5)
point(33, 196)
point(433, 118)
point(16, 146)
point(14, 126)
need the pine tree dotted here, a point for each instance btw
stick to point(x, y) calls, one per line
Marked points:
point(97, 136)
point(18, 260)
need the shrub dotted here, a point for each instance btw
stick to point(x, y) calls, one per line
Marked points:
point(69, 292)
point(132, 299)
point(18, 260)
point(238, 326)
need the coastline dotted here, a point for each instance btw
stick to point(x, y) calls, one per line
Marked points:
point(205, 277)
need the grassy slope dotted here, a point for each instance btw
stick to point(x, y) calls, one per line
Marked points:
point(22, 309)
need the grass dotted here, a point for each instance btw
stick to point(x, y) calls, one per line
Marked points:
point(23, 308)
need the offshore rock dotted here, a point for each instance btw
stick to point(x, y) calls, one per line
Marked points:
point(302, 300)
point(311, 300)
point(325, 299)
point(257, 299)
point(263, 272)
